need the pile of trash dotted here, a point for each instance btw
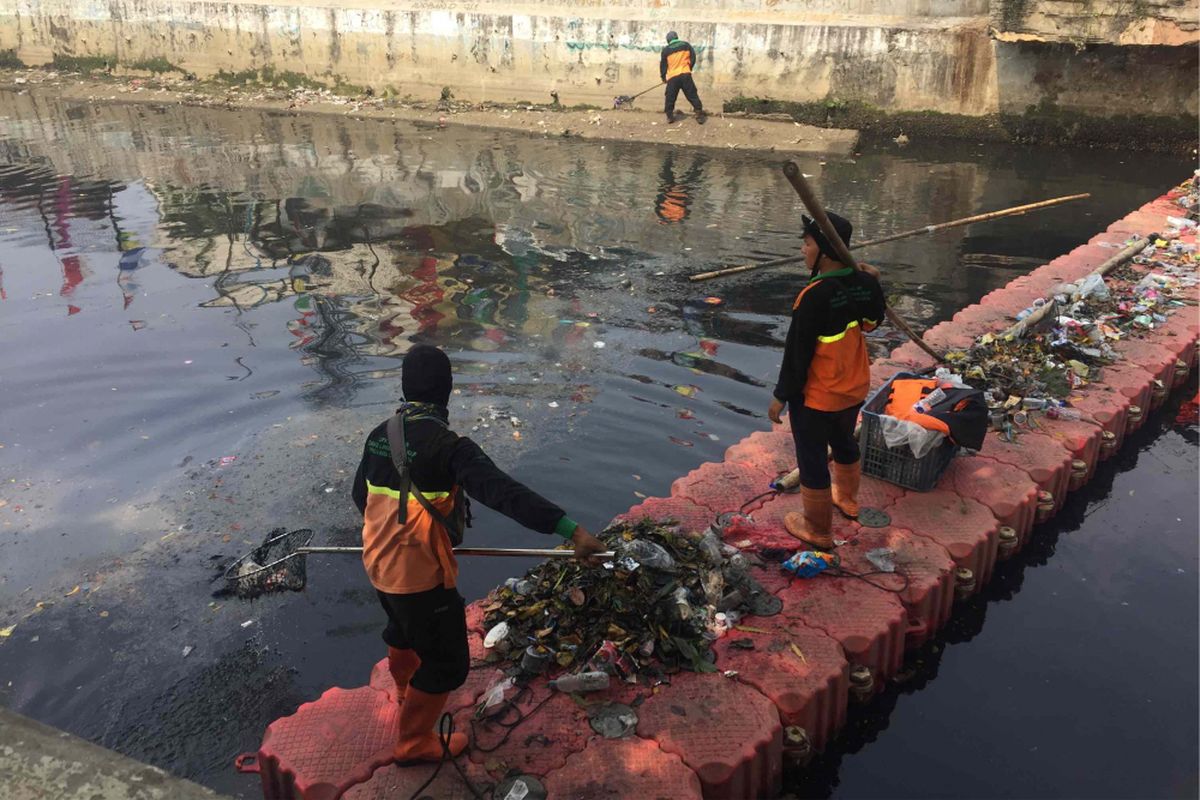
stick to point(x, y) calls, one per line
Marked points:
point(1039, 369)
point(656, 608)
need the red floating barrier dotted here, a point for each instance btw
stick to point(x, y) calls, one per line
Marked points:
point(870, 623)
point(800, 669)
point(722, 486)
point(966, 528)
point(545, 739)
point(1046, 460)
point(690, 516)
point(399, 783)
point(773, 451)
point(622, 768)
point(924, 564)
point(326, 747)
point(728, 733)
point(1007, 490)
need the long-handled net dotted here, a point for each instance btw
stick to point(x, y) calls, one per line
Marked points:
point(279, 563)
point(276, 565)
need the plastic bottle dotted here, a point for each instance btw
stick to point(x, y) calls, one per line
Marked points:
point(582, 682)
point(1071, 414)
point(682, 607)
point(930, 400)
point(648, 554)
point(710, 545)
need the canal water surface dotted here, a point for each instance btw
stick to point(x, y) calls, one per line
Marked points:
point(202, 311)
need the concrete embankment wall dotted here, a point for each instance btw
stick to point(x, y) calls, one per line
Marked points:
point(940, 55)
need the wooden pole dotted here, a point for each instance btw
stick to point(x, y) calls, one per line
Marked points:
point(796, 178)
point(1018, 330)
point(941, 226)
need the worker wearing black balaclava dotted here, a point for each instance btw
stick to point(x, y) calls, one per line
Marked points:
point(824, 379)
point(412, 518)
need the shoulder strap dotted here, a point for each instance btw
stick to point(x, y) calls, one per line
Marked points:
point(399, 449)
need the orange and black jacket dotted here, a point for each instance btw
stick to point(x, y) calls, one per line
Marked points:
point(678, 58)
point(825, 364)
point(415, 556)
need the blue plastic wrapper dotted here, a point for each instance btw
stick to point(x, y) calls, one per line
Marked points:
point(808, 563)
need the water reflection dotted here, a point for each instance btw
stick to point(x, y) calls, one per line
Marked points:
point(224, 270)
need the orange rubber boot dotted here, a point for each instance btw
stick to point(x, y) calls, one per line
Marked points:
point(813, 527)
point(418, 717)
point(846, 478)
point(402, 664)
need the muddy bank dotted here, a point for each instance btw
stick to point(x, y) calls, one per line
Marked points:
point(294, 95)
point(1047, 125)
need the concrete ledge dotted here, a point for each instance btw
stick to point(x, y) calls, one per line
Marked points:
point(38, 762)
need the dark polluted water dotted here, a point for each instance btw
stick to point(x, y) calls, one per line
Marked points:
point(202, 311)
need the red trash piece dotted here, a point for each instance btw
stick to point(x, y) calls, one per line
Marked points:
point(1007, 490)
point(543, 741)
point(928, 568)
point(809, 689)
point(328, 745)
point(393, 782)
point(966, 528)
point(773, 451)
point(690, 516)
point(764, 528)
point(870, 623)
point(1044, 458)
point(722, 486)
point(727, 732)
point(621, 769)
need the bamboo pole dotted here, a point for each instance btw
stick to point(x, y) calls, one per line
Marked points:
point(796, 178)
point(1018, 330)
point(941, 226)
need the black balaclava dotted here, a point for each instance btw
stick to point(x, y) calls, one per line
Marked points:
point(840, 224)
point(425, 376)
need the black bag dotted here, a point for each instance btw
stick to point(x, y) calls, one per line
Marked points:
point(459, 519)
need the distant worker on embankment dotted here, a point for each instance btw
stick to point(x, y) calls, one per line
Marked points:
point(675, 68)
point(412, 522)
point(824, 379)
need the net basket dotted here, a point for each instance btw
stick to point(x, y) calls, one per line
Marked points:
point(273, 566)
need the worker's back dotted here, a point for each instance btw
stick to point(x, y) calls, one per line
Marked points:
point(678, 58)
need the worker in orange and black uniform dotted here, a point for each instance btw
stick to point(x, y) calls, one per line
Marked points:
point(675, 68)
point(409, 559)
point(824, 380)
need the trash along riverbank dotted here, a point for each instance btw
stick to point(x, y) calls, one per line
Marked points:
point(1073, 357)
point(284, 94)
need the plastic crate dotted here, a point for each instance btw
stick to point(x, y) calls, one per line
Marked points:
point(897, 464)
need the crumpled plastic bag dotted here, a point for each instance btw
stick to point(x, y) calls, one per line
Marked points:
point(1093, 286)
point(882, 559)
point(897, 432)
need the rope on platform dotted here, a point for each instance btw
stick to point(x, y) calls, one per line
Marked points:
point(445, 729)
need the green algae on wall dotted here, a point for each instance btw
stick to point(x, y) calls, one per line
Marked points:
point(1041, 125)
